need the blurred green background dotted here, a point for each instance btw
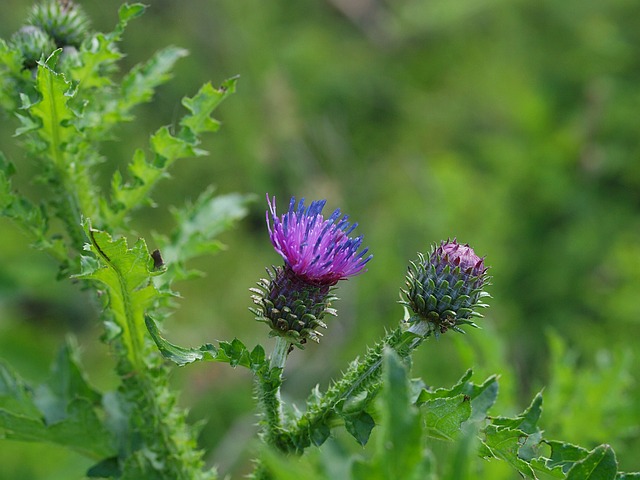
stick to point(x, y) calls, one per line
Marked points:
point(511, 125)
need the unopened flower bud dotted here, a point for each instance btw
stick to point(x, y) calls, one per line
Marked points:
point(33, 43)
point(63, 20)
point(446, 288)
point(318, 253)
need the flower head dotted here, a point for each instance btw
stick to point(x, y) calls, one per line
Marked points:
point(446, 288)
point(63, 20)
point(319, 251)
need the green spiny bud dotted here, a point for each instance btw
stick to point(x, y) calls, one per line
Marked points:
point(446, 288)
point(291, 306)
point(33, 43)
point(62, 20)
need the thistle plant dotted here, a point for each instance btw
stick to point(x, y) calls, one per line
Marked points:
point(58, 81)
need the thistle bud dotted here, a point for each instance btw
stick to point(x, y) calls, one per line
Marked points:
point(317, 253)
point(293, 308)
point(446, 288)
point(33, 43)
point(62, 20)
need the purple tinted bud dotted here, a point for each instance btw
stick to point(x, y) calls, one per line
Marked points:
point(319, 251)
point(446, 288)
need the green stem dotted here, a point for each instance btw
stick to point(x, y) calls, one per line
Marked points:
point(279, 354)
point(360, 376)
point(268, 384)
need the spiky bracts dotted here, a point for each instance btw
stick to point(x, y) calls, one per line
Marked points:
point(64, 21)
point(51, 24)
point(293, 308)
point(317, 254)
point(446, 288)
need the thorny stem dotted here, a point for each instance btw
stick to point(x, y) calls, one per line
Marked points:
point(358, 377)
point(268, 384)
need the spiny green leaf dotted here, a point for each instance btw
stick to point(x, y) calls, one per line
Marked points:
point(600, 464)
point(460, 387)
point(15, 396)
point(198, 225)
point(234, 353)
point(359, 425)
point(10, 59)
point(52, 109)
point(71, 422)
point(96, 57)
point(167, 148)
point(126, 13)
point(65, 383)
point(80, 430)
point(203, 103)
point(504, 443)
point(527, 420)
point(443, 416)
point(179, 355)
point(565, 454)
point(126, 273)
point(31, 219)
point(140, 83)
point(482, 398)
point(399, 448)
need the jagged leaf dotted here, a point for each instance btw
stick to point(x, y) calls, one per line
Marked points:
point(399, 451)
point(234, 353)
point(140, 83)
point(444, 416)
point(66, 416)
point(126, 13)
point(447, 408)
point(31, 219)
point(504, 443)
point(198, 225)
point(359, 425)
point(52, 109)
point(203, 103)
point(65, 383)
point(166, 148)
point(97, 57)
point(600, 464)
point(527, 420)
point(126, 273)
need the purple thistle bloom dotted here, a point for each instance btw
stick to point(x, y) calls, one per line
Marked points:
point(318, 251)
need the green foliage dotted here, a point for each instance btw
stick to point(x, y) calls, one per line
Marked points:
point(126, 275)
point(63, 410)
point(561, 256)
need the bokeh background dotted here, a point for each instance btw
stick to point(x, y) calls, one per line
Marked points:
point(511, 125)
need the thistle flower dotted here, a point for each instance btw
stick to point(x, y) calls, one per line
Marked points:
point(317, 254)
point(446, 288)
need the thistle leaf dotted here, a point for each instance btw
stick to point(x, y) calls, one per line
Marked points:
point(234, 353)
point(126, 273)
point(600, 464)
point(61, 411)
